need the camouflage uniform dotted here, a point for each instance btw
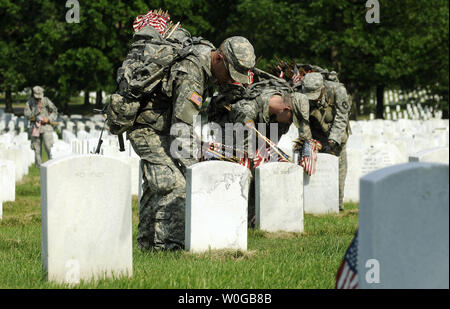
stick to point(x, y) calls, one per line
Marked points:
point(329, 118)
point(180, 98)
point(34, 112)
point(257, 111)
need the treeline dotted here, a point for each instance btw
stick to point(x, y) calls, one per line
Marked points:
point(407, 49)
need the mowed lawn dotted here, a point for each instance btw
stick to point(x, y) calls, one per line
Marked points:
point(273, 260)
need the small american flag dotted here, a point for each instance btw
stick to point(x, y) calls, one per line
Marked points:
point(281, 75)
point(347, 276)
point(260, 157)
point(196, 98)
point(157, 20)
point(245, 161)
point(266, 154)
point(309, 156)
point(250, 77)
point(218, 151)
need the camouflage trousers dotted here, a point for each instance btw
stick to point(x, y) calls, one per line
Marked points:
point(342, 175)
point(162, 205)
point(47, 139)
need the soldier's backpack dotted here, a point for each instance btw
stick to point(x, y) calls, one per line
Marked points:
point(308, 68)
point(146, 65)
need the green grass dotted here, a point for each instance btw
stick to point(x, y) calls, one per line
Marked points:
point(273, 260)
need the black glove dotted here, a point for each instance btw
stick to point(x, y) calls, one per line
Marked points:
point(332, 147)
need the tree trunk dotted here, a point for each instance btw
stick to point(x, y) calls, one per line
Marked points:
point(66, 107)
point(99, 100)
point(380, 103)
point(8, 101)
point(355, 106)
point(86, 98)
point(334, 52)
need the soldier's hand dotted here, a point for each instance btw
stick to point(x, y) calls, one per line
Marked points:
point(332, 147)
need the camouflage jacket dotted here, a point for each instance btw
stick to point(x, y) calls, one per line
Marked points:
point(257, 110)
point(34, 113)
point(329, 117)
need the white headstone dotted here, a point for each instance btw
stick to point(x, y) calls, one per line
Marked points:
point(86, 218)
point(7, 181)
point(381, 155)
point(279, 197)
point(15, 154)
point(285, 143)
point(216, 206)
point(136, 178)
point(403, 227)
point(354, 172)
point(321, 190)
point(141, 181)
point(438, 155)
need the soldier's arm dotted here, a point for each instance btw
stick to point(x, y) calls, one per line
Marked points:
point(53, 111)
point(187, 87)
point(244, 111)
point(343, 109)
point(301, 115)
point(27, 111)
point(187, 90)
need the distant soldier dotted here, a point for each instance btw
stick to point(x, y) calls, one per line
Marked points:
point(329, 119)
point(41, 112)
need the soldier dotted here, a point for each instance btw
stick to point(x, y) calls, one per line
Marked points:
point(272, 103)
point(41, 112)
point(329, 119)
point(180, 98)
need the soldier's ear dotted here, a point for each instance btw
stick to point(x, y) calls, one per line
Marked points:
point(217, 56)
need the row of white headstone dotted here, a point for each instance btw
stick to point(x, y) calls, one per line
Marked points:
point(393, 97)
point(80, 135)
point(15, 158)
point(86, 143)
point(86, 228)
point(86, 210)
point(412, 112)
point(381, 143)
